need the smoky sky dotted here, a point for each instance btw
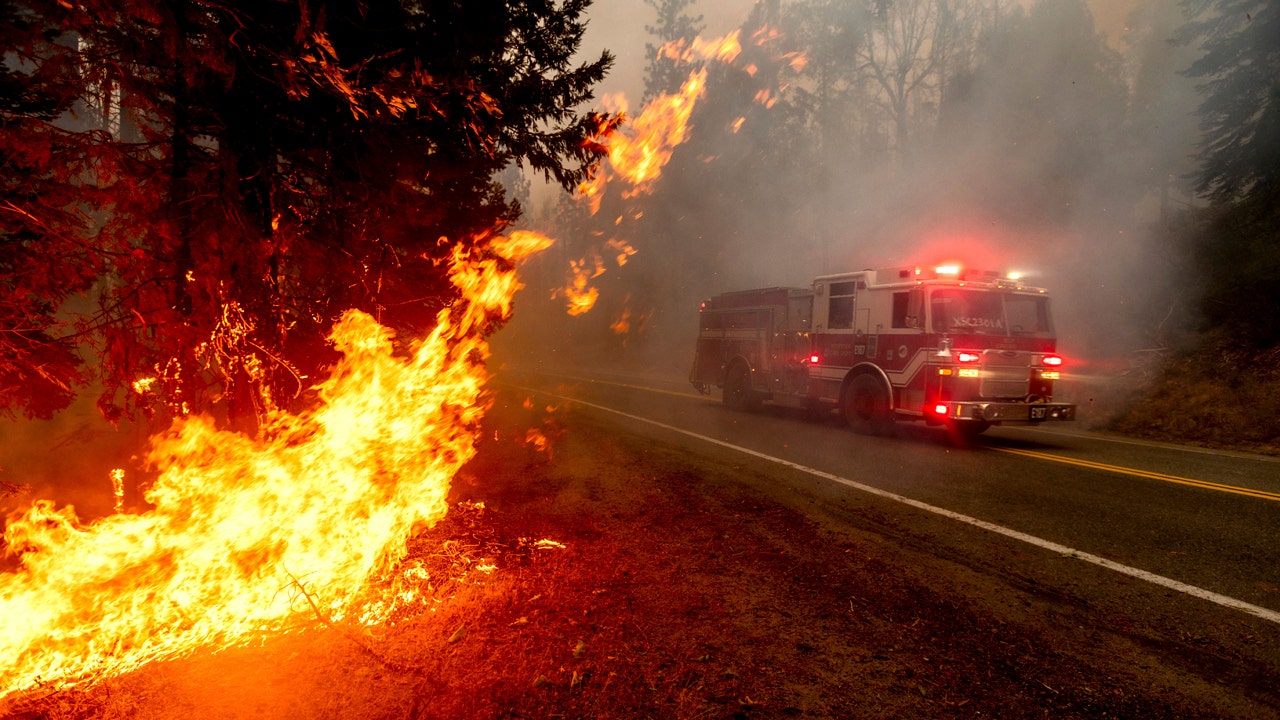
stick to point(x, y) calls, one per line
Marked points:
point(1061, 153)
point(619, 26)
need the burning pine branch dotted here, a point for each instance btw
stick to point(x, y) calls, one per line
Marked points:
point(641, 147)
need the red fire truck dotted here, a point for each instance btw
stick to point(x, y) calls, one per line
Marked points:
point(945, 344)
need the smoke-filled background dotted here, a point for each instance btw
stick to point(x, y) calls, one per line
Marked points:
point(1061, 138)
point(1052, 137)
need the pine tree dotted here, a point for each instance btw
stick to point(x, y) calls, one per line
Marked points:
point(663, 74)
point(1239, 166)
point(1240, 116)
point(260, 169)
point(42, 258)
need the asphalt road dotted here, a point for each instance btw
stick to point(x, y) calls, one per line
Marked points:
point(1195, 528)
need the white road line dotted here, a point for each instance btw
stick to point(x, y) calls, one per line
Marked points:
point(1192, 590)
point(1056, 430)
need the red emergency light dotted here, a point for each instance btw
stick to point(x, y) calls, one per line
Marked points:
point(965, 356)
point(1051, 360)
point(813, 359)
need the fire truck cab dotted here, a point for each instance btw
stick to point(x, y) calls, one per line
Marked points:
point(947, 345)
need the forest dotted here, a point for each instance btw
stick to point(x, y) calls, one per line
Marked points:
point(193, 192)
point(290, 245)
point(1132, 170)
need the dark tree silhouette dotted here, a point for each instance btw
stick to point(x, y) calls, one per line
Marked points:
point(663, 74)
point(230, 178)
point(1240, 116)
point(1239, 166)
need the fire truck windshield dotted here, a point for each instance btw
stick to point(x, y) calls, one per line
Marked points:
point(988, 312)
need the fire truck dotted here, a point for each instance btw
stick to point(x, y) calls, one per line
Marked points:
point(944, 344)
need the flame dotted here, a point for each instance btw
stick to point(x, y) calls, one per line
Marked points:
point(766, 34)
point(797, 60)
point(253, 536)
point(622, 325)
point(535, 439)
point(578, 292)
point(117, 488)
point(624, 250)
point(629, 321)
point(766, 98)
point(640, 149)
point(725, 49)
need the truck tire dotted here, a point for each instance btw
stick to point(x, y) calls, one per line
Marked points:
point(866, 406)
point(738, 394)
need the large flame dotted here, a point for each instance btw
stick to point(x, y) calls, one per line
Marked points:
point(249, 536)
point(639, 153)
point(641, 148)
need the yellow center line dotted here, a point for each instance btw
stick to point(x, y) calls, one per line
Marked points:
point(1205, 484)
point(1190, 482)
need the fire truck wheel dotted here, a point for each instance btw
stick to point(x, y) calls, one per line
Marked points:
point(866, 406)
point(737, 388)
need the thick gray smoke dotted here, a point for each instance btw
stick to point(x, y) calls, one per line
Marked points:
point(1048, 136)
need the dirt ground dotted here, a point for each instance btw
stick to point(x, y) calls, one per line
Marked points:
point(617, 577)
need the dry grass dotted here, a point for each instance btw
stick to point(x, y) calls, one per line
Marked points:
point(1221, 396)
point(684, 589)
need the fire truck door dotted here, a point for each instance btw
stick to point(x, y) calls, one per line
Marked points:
point(796, 347)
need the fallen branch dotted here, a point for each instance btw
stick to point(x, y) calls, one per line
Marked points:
point(324, 619)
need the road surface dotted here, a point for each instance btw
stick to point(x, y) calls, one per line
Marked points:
point(1198, 526)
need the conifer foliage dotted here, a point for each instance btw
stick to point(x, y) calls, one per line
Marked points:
point(192, 191)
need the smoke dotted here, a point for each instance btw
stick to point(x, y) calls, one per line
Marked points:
point(1049, 137)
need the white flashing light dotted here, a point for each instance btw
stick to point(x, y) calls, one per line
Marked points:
point(1015, 276)
point(947, 269)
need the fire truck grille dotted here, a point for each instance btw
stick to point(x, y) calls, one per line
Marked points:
point(1005, 374)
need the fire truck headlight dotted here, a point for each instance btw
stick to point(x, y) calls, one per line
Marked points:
point(968, 372)
point(1049, 374)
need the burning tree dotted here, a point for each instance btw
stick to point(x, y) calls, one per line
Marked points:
point(289, 209)
point(665, 74)
point(225, 182)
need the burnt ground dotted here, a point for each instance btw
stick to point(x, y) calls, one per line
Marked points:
point(692, 586)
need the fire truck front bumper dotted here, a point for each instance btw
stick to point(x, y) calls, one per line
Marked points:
point(1013, 413)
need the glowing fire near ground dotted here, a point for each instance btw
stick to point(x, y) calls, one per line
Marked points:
point(251, 536)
